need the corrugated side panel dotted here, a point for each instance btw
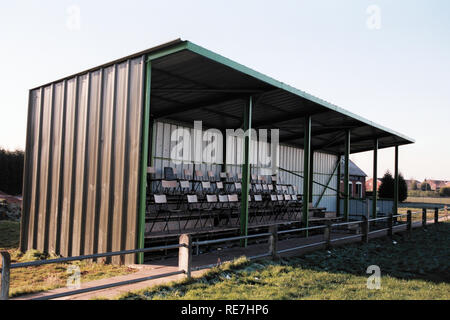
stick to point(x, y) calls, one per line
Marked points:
point(82, 163)
point(167, 143)
point(291, 159)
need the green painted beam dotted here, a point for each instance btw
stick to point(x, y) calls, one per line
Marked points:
point(375, 178)
point(167, 51)
point(306, 171)
point(312, 181)
point(311, 174)
point(338, 188)
point(395, 210)
point(347, 176)
point(246, 170)
point(144, 163)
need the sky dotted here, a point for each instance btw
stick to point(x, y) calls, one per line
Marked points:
point(388, 61)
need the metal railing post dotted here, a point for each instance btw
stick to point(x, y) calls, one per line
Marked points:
point(390, 224)
point(365, 229)
point(408, 222)
point(185, 254)
point(327, 234)
point(6, 267)
point(273, 241)
point(436, 215)
point(424, 217)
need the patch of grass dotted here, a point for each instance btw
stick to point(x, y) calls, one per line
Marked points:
point(47, 277)
point(52, 276)
point(416, 268)
point(439, 200)
point(9, 235)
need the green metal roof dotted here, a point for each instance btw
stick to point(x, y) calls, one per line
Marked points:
point(191, 83)
point(187, 45)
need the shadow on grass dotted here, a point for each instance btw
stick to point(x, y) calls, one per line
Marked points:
point(412, 268)
point(424, 256)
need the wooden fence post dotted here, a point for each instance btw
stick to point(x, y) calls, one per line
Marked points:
point(424, 217)
point(273, 241)
point(390, 224)
point(327, 234)
point(6, 267)
point(365, 229)
point(409, 222)
point(185, 254)
point(436, 215)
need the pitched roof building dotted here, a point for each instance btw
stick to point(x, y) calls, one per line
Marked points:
point(357, 180)
point(369, 184)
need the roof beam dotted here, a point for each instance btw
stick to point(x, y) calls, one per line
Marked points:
point(338, 137)
point(184, 107)
point(287, 117)
point(223, 114)
point(317, 133)
point(363, 139)
point(181, 78)
point(200, 90)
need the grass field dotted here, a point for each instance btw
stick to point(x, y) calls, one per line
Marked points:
point(42, 278)
point(416, 268)
point(442, 200)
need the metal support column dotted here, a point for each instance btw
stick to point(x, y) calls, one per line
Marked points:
point(246, 170)
point(395, 209)
point(347, 176)
point(338, 188)
point(375, 179)
point(311, 176)
point(144, 163)
point(306, 170)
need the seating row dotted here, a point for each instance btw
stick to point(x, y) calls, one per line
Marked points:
point(174, 213)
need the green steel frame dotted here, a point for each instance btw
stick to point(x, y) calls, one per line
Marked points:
point(375, 179)
point(346, 176)
point(338, 188)
point(311, 175)
point(144, 162)
point(395, 209)
point(306, 170)
point(239, 67)
point(186, 45)
point(246, 170)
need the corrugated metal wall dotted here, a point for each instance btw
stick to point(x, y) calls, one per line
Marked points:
point(289, 158)
point(82, 162)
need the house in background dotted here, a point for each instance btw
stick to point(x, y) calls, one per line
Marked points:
point(411, 183)
point(369, 184)
point(436, 185)
point(357, 180)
